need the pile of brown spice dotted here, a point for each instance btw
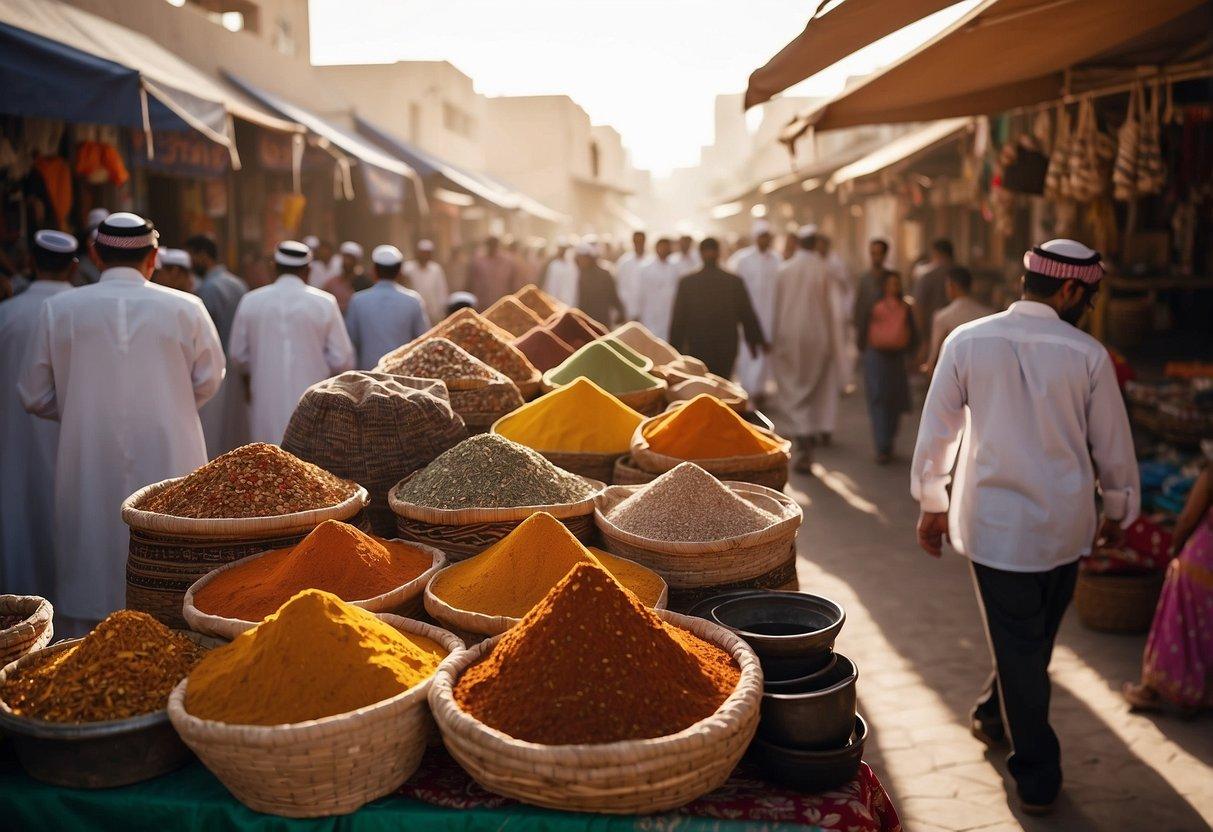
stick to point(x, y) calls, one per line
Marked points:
point(512, 315)
point(478, 337)
point(257, 480)
point(125, 667)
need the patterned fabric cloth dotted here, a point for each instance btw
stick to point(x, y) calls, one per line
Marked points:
point(859, 806)
point(1179, 653)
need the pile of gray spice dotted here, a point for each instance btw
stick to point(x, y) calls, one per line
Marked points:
point(490, 471)
point(688, 505)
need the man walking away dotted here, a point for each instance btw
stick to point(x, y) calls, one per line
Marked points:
point(627, 274)
point(493, 274)
point(350, 276)
point(596, 292)
point(930, 291)
point(962, 309)
point(383, 317)
point(123, 365)
point(758, 268)
point(1026, 408)
point(710, 307)
point(286, 337)
point(425, 277)
point(658, 286)
point(560, 276)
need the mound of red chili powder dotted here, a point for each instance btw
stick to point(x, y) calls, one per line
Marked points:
point(590, 664)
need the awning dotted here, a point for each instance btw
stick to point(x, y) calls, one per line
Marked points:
point(385, 177)
point(830, 37)
point(57, 61)
point(900, 150)
point(1005, 54)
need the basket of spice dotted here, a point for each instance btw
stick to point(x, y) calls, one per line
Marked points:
point(26, 624)
point(595, 703)
point(607, 367)
point(579, 427)
point(368, 572)
point(711, 434)
point(315, 711)
point(574, 327)
point(688, 387)
point(480, 490)
point(512, 315)
point(487, 342)
point(90, 712)
point(543, 348)
point(702, 535)
point(626, 472)
point(491, 592)
point(638, 337)
point(251, 499)
point(538, 301)
point(478, 393)
point(1117, 603)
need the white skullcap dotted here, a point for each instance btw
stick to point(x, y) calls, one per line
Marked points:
point(561, 241)
point(1065, 260)
point(352, 249)
point(174, 257)
point(55, 241)
point(585, 250)
point(312, 241)
point(387, 256)
point(760, 227)
point(96, 217)
point(126, 231)
point(807, 230)
point(462, 297)
point(425, 245)
point(292, 253)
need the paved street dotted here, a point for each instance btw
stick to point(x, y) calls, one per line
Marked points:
point(913, 629)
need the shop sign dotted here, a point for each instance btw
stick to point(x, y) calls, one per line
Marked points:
point(180, 154)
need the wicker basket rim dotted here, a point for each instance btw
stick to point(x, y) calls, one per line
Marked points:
point(313, 729)
point(745, 696)
point(35, 620)
point(151, 521)
point(660, 384)
point(195, 617)
point(461, 516)
point(615, 494)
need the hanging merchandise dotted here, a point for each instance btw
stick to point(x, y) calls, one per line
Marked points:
point(57, 178)
point(1057, 177)
point(1151, 173)
point(292, 211)
point(1042, 131)
point(1128, 139)
point(1090, 157)
point(1025, 166)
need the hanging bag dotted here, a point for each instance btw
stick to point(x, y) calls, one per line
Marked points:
point(1057, 176)
point(1151, 174)
point(1124, 173)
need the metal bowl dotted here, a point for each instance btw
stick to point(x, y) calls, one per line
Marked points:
point(801, 682)
point(94, 755)
point(785, 627)
point(812, 771)
point(819, 715)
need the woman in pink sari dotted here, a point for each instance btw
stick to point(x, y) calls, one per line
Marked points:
point(1177, 668)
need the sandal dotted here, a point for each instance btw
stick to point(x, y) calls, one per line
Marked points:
point(1141, 697)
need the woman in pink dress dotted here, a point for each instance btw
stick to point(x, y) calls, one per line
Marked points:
point(1177, 669)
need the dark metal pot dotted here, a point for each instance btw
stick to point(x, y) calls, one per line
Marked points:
point(793, 632)
point(783, 683)
point(818, 714)
point(812, 771)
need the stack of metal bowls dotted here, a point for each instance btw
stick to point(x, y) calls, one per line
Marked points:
point(810, 736)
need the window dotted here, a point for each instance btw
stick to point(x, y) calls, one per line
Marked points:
point(457, 121)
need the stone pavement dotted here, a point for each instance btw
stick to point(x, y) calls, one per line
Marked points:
point(914, 632)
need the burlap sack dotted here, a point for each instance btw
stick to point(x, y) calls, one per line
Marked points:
point(376, 429)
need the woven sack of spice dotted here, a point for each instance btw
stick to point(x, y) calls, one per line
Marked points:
point(322, 767)
point(169, 552)
point(373, 428)
point(28, 626)
point(404, 600)
point(762, 559)
point(624, 777)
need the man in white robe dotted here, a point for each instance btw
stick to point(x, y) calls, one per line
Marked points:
point(658, 286)
point(286, 337)
point(561, 278)
point(803, 356)
point(687, 257)
point(425, 277)
point(627, 274)
point(27, 477)
point(842, 301)
point(123, 365)
point(758, 267)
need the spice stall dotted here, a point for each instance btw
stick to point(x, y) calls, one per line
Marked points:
point(518, 612)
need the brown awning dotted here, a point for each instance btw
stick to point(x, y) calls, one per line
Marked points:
point(830, 37)
point(1005, 54)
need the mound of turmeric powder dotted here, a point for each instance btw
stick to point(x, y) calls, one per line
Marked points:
point(705, 428)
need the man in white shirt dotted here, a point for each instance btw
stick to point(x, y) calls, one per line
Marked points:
point(286, 337)
point(758, 268)
point(318, 271)
point(123, 365)
point(658, 286)
point(1026, 409)
point(387, 315)
point(627, 274)
point(27, 477)
point(561, 277)
point(687, 257)
point(961, 309)
point(425, 277)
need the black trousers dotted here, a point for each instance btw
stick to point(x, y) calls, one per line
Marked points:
point(1023, 611)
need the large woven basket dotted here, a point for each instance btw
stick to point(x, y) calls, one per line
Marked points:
point(648, 402)
point(1117, 603)
point(769, 469)
point(764, 559)
point(630, 777)
point(404, 600)
point(33, 633)
point(461, 533)
point(600, 467)
point(168, 554)
point(626, 473)
point(328, 766)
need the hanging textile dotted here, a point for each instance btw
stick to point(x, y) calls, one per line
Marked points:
point(1151, 173)
point(1124, 172)
point(57, 178)
point(1057, 177)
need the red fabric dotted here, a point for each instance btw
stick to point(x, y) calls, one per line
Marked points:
point(860, 806)
point(1124, 370)
point(1149, 539)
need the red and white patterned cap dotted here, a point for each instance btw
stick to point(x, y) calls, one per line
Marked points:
point(1065, 260)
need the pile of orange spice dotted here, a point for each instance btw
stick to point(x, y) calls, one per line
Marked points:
point(705, 428)
point(336, 557)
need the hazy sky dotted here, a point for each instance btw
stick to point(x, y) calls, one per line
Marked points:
point(650, 68)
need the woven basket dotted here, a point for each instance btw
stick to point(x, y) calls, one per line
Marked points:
point(404, 600)
point(647, 402)
point(626, 473)
point(34, 633)
point(168, 554)
point(461, 533)
point(760, 560)
point(478, 625)
point(328, 766)
point(769, 469)
point(600, 467)
point(1117, 603)
point(631, 777)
